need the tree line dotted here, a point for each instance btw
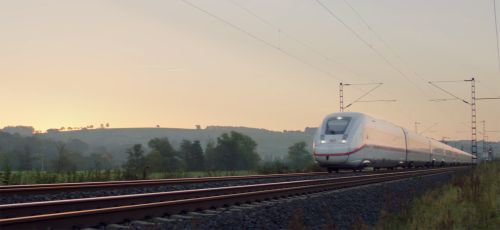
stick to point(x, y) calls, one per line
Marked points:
point(33, 153)
point(230, 152)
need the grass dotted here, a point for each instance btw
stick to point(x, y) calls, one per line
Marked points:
point(470, 201)
point(45, 177)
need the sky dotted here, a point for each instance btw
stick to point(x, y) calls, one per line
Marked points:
point(256, 63)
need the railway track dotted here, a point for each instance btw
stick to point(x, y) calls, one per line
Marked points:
point(89, 186)
point(89, 212)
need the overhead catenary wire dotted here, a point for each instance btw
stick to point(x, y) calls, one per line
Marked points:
point(357, 35)
point(386, 44)
point(369, 45)
point(364, 95)
point(277, 48)
point(294, 56)
point(449, 93)
point(293, 38)
point(379, 37)
point(496, 33)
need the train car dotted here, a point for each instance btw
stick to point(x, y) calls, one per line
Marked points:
point(351, 140)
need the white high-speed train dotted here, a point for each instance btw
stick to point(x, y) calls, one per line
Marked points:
point(350, 140)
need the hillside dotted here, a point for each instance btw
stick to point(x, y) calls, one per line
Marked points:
point(271, 144)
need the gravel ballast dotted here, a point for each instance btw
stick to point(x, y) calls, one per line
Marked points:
point(4, 199)
point(339, 209)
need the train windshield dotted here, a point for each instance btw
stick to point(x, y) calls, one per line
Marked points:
point(337, 125)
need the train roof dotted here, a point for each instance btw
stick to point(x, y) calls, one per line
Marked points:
point(350, 114)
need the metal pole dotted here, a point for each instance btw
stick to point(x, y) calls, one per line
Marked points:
point(341, 92)
point(484, 138)
point(473, 109)
point(473, 120)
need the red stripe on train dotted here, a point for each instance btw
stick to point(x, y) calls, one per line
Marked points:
point(340, 154)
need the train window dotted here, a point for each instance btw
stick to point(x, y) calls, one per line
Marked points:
point(337, 125)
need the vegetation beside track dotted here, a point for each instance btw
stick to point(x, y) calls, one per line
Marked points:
point(59, 162)
point(44, 177)
point(47, 177)
point(470, 201)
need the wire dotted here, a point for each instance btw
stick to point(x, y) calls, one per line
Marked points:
point(453, 81)
point(377, 35)
point(358, 36)
point(293, 38)
point(449, 93)
point(496, 32)
point(386, 44)
point(362, 96)
point(376, 51)
point(234, 26)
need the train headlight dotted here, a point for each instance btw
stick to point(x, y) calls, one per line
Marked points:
point(343, 141)
point(322, 141)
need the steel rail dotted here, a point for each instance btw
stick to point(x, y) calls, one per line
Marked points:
point(94, 217)
point(85, 186)
point(34, 208)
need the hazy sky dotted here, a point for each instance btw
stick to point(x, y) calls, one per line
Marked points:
point(143, 63)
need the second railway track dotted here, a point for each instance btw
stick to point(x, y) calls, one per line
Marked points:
point(89, 186)
point(95, 211)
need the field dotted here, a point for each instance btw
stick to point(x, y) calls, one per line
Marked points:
point(470, 201)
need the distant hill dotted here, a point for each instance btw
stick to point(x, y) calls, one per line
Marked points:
point(271, 144)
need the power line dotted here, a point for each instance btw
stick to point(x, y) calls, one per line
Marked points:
point(496, 32)
point(364, 95)
point(379, 37)
point(375, 50)
point(236, 27)
point(449, 93)
point(358, 36)
point(386, 44)
point(381, 100)
point(293, 38)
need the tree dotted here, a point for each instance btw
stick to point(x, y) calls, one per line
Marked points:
point(63, 162)
point(135, 167)
point(210, 156)
point(99, 161)
point(7, 171)
point(235, 151)
point(26, 158)
point(299, 158)
point(169, 161)
point(192, 153)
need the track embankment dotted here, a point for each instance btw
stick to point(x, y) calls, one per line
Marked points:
point(117, 209)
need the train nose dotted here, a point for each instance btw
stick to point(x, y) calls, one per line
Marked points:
point(331, 153)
